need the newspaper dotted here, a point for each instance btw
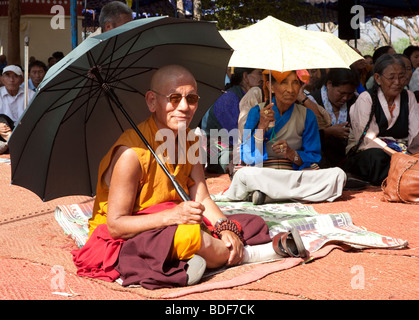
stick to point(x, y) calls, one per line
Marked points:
point(316, 229)
point(74, 220)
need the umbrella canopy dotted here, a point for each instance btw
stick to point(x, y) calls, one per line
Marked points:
point(276, 45)
point(72, 121)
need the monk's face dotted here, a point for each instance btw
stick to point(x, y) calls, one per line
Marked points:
point(174, 101)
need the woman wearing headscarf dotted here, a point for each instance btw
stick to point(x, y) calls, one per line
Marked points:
point(283, 134)
point(295, 127)
point(384, 120)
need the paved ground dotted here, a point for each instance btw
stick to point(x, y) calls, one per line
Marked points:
point(35, 259)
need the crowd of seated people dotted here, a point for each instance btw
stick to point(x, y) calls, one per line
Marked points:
point(352, 119)
point(300, 140)
point(12, 93)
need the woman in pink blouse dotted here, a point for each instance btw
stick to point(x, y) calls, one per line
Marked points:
point(384, 120)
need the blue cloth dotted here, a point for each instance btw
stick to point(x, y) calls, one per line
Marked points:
point(360, 89)
point(224, 113)
point(30, 85)
point(310, 151)
point(226, 80)
point(2, 66)
point(226, 109)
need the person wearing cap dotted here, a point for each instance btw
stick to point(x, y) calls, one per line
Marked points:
point(12, 98)
point(283, 134)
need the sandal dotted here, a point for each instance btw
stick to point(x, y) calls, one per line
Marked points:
point(289, 244)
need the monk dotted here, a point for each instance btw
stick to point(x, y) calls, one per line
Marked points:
point(160, 237)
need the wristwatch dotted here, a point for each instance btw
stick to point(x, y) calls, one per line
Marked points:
point(296, 157)
point(304, 100)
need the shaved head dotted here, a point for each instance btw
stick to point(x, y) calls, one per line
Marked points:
point(171, 74)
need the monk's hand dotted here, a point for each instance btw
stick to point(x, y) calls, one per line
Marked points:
point(236, 247)
point(188, 212)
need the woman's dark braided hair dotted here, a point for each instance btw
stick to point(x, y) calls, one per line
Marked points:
point(380, 65)
point(237, 76)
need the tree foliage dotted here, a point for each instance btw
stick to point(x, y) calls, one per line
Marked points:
point(234, 14)
point(13, 52)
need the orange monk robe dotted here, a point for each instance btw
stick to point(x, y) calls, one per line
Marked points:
point(154, 186)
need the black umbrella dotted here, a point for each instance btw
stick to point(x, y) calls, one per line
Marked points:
point(97, 91)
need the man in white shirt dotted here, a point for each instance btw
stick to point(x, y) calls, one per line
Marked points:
point(12, 98)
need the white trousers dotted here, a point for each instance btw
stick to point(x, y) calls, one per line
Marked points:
point(279, 185)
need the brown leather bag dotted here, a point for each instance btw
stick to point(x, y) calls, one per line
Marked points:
point(402, 182)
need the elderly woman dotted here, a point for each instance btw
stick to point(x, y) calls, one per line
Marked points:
point(283, 135)
point(382, 119)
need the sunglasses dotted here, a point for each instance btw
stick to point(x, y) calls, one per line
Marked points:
point(175, 98)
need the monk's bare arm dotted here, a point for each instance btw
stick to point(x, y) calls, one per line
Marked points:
point(199, 192)
point(123, 178)
point(212, 212)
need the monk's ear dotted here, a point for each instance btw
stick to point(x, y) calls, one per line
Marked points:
point(151, 100)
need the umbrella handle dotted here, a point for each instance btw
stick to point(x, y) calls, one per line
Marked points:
point(180, 190)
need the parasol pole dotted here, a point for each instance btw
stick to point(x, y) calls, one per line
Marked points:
point(111, 94)
point(270, 86)
point(26, 75)
point(272, 123)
